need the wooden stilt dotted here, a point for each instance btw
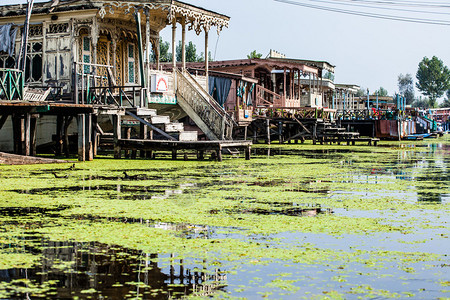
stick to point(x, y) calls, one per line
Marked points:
point(248, 151)
point(245, 132)
point(27, 134)
point(33, 129)
point(81, 120)
point(88, 136)
point(280, 132)
point(127, 136)
point(67, 121)
point(59, 134)
point(117, 135)
point(174, 154)
point(95, 135)
point(143, 135)
point(268, 131)
point(201, 155)
point(219, 154)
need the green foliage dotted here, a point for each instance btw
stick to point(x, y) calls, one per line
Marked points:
point(421, 103)
point(382, 92)
point(191, 52)
point(446, 102)
point(433, 78)
point(201, 57)
point(406, 87)
point(254, 54)
point(362, 92)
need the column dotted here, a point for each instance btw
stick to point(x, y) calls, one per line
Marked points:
point(148, 45)
point(183, 43)
point(206, 59)
point(174, 47)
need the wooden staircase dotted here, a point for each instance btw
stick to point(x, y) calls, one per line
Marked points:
point(207, 114)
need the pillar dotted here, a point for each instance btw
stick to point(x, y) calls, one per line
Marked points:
point(183, 43)
point(81, 137)
point(206, 59)
point(174, 47)
point(117, 135)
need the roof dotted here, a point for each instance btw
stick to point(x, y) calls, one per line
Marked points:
point(194, 15)
point(323, 65)
point(268, 63)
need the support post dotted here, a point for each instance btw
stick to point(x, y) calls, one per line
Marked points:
point(33, 128)
point(183, 43)
point(206, 59)
point(88, 138)
point(248, 150)
point(59, 134)
point(117, 135)
point(95, 135)
point(81, 137)
point(268, 131)
point(27, 134)
point(174, 49)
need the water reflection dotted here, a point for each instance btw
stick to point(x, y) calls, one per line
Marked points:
point(70, 269)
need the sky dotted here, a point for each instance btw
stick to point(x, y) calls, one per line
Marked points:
point(367, 52)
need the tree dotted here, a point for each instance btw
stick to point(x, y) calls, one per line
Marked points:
point(446, 102)
point(433, 78)
point(201, 57)
point(362, 92)
point(191, 52)
point(164, 54)
point(254, 54)
point(422, 103)
point(382, 92)
point(406, 87)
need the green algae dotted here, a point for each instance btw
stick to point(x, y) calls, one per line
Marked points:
point(240, 207)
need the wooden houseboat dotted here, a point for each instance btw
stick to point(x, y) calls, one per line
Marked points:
point(92, 60)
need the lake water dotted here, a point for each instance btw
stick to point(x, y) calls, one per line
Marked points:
point(297, 221)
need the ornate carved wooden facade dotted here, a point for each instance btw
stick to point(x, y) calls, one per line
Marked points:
point(98, 32)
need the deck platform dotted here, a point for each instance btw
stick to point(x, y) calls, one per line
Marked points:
point(174, 146)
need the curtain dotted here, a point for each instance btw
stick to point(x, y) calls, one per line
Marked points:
point(7, 39)
point(222, 87)
point(211, 85)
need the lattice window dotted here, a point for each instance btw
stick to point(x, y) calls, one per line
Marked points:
point(131, 64)
point(7, 62)
point(58, 28)
point(119, 64)
point(34, 30)
point(33, 68)
point(102, 59)
point(86, 53)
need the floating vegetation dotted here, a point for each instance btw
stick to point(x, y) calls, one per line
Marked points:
point(297, 221)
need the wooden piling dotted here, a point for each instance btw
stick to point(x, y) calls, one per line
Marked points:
point(81, 119)
point(117, 135)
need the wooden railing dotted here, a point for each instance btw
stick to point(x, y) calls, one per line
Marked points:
point(267, 98)
point(218, 121)
point(11, 84)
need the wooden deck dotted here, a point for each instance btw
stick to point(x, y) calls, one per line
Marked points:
point(174, 146)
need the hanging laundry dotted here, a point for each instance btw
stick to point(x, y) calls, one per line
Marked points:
point(8, 38)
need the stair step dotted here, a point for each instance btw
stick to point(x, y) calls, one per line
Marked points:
point(144, 112)
point(188, 136)
point(160, 119)
point(174, 127)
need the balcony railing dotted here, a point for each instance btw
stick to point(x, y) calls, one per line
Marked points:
point(11, 84)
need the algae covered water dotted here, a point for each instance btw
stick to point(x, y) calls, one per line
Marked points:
point(297, 221)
